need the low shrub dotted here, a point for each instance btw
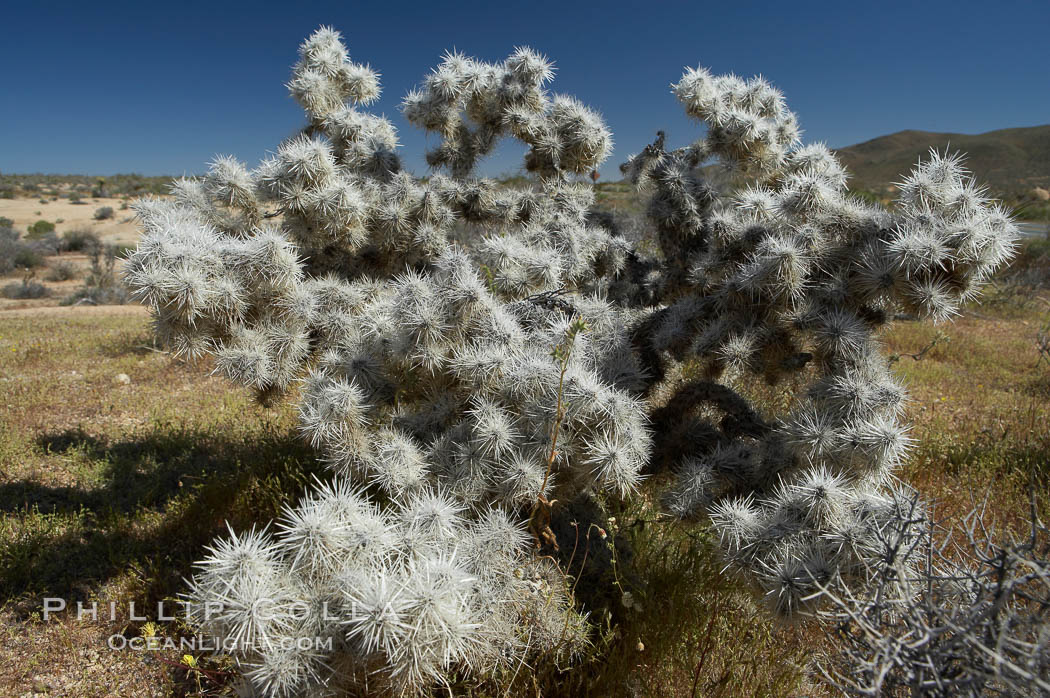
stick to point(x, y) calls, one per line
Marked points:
point(39, 229)
point(26, 257)
point(101, 285)
point(104, 213)
point(9, 247)
point(16, 253)
point(24, 290)
point(79, 240)
point(45, 244)
point(97, 296)
point(61, 271)
point(975, 624)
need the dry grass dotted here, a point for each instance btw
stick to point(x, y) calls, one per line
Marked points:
point(689, 630)
point(980, 408)
point(109, 491)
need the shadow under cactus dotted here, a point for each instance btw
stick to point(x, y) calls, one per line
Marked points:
point(160, 497)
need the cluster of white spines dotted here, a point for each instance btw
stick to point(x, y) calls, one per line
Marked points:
point(748, 123)
point(247, 298)
point(222, 279)
point(347, 594)
point(238, 297)
point(949, 238)
point(325, 78)
point(564, 136)
point(481, 408)
point(557, 248)
point(792, 270)
point(344, 200)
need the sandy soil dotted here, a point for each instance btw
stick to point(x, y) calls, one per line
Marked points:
point(120, 229)
point(58, 290)
point(59, 311)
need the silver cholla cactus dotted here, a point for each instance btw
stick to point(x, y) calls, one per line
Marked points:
point(345, 596)
point(423, 364)
point(789, 274)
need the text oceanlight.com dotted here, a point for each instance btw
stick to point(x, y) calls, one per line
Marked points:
point(200, 643)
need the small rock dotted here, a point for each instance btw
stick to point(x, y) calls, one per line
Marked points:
point(1041, 194)
point(122, 378)
point(41, 687)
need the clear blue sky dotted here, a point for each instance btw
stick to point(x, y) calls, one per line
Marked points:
point(160, 88)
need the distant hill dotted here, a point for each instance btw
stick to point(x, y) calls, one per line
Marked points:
point(1008, 161)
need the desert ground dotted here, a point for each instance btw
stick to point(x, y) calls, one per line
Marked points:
point(118, 464)
point(69, 216)
point(119, 230)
